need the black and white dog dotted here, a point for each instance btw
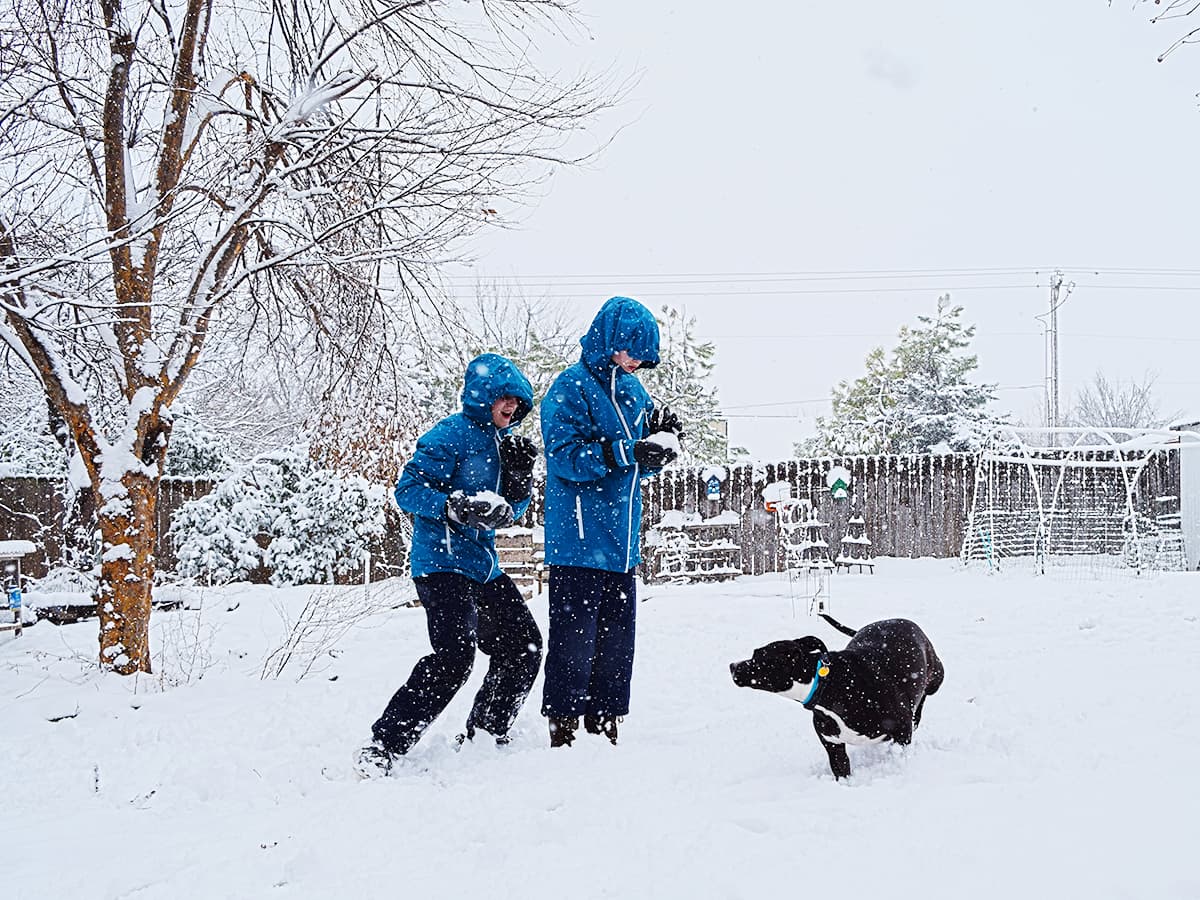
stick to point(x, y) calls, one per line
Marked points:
point(872, 691)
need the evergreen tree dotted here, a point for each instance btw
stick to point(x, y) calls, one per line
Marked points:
point(915, 401)
point(683, 381)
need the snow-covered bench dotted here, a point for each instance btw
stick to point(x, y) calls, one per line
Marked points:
point(11, 554)
point(522, 557)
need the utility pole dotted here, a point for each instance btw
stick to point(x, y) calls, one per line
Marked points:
point(1057, 298)
point(1056, 281)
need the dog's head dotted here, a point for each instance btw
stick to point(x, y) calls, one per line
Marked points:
point(780, 666)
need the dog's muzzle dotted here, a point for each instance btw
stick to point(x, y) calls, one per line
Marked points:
point(742, 672)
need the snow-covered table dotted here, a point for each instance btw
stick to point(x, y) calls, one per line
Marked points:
point(697, 549)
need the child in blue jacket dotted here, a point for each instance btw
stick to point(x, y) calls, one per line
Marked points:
point(468, 476)
point(602, 436)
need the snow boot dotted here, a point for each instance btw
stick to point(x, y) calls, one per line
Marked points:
point(460, 740)
point(373, 761)
point(605, 725)
point(562, 731)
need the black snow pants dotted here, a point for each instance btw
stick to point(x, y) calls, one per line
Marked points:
point(461, 614)
point(590, 661)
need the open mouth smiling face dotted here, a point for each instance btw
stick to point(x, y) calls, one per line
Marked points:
point(503, 410)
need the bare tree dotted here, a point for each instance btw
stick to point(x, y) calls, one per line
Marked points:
point(175, 173)
point(538, 333)
point(1116, 404)
point(1168, 11)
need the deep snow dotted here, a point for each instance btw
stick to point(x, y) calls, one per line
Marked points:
point(1058, 761)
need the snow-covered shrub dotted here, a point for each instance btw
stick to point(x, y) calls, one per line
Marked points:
point(324, 528)
point(26, 445)
point(65, 580)
point(195, 450)
point(281, 513)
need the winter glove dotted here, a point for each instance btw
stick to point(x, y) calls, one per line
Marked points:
point(649, 454)
point(652, 455)
point(663, 418)
point(485, 511)
point(516, 466)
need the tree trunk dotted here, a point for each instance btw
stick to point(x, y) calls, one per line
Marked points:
point(128, 532)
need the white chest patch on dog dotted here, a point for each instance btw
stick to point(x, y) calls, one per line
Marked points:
point(846, 734)
point(798, 692)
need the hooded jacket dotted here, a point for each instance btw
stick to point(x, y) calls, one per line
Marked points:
point(462, 452)
point(594, 512)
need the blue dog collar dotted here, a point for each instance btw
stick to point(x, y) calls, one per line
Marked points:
point(822, 671)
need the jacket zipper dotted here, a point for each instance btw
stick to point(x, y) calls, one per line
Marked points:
point(633, 485)
point(499, 480)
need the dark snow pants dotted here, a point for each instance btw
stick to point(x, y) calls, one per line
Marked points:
point(589, 662)
point(462, 614)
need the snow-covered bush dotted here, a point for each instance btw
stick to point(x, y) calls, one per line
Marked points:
point(65, 580)
point(281, 513)
point(27, 446)
point(325, 528)
point(195, 450)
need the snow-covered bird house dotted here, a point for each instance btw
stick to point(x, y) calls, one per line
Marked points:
point(838, 480)
point(11, 554)
point(855, 549)
point(712, 483)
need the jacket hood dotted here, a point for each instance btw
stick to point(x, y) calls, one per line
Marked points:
point(621, 324)
point(488, 378)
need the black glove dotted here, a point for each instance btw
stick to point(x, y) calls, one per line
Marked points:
point(663, 418)
point(517, 454)
point(475, 511)
point(650, 455)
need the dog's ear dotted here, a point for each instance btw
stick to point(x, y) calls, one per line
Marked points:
point(810, 644)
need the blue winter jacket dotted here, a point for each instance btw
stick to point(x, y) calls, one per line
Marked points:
point(594, 512)
point(462, 452)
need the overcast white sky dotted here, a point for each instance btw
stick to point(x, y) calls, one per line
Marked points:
point(770, 143)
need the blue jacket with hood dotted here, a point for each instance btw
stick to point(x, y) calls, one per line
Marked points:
point(462, 452)
point(594, 512)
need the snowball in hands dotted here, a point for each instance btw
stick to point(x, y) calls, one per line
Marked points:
point(657, 450)
point(485, 510)
point(667, 439)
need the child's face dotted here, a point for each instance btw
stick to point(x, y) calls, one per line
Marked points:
point(503, 410)
point(625, 361)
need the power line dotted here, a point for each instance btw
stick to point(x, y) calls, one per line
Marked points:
point(568, 279)
point(793, 291)
point(795, 273)
point(776, 403)
point(1138, 287)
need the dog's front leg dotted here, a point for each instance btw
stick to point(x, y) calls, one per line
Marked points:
point(839, 760)
point(902, 728)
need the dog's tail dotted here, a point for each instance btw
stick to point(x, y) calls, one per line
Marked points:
point(839, 626)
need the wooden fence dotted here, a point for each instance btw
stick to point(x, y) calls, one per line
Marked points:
point(38, 509)
point(913, 506)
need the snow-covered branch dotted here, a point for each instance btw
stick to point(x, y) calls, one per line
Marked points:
point(188, 171)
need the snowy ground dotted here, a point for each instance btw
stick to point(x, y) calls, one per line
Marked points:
point(1058, 761)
